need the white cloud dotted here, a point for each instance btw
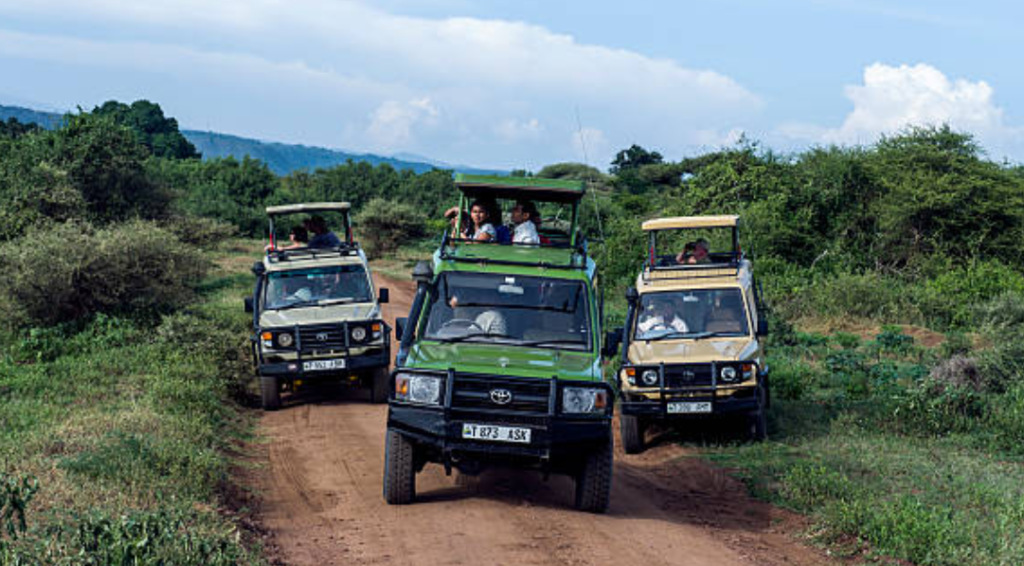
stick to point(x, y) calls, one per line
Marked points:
point(393, 123)
point(513, 130)
point(894, 98)
point(592, 147)
point(375, 64)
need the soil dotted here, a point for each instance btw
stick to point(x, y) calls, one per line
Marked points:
point(322, 501)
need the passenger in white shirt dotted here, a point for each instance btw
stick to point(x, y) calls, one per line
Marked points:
point(526, 231)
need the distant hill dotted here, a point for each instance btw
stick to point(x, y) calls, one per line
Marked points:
point(280, 157)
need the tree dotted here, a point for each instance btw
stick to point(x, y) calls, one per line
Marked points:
point(633, 158)
point(158, 133)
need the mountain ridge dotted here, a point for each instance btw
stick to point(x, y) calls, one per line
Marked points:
point(281, 158)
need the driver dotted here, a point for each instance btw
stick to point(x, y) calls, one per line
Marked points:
point(489, 321)
point(661, 316)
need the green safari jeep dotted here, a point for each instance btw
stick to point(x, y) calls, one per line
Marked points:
point(315, 316)
point(499, 362)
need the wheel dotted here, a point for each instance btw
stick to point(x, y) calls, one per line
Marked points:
point(380, 380)
point(632, 432)
point(594, 482)
point(270, 392)
point(399, 469)
point(757, 420)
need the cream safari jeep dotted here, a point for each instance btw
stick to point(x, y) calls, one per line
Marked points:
point(692, 345)
point(315, 314)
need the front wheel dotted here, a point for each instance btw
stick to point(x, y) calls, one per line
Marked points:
point(594, 482)
point(270, 392)
point(632, 432)
point(380, 379)
point(399, 469)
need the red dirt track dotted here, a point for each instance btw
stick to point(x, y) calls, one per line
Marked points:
point(322, 502)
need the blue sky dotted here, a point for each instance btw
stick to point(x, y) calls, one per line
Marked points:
point(500, 84)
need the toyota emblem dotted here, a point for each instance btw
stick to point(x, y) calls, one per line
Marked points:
point(322, 336)
point(501, 396)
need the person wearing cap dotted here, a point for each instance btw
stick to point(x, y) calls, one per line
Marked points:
point(660, 317)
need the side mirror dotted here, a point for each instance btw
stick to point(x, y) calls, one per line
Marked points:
point(423, 273)
point(762, 327)
point(383, 295)
point(632, 296)
point(400, 327)
point(258, 268)
point(612, 341)
point(249, 307)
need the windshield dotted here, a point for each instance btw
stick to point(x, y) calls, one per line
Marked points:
point(691, 314)
point(524, 311)
point(321, 285)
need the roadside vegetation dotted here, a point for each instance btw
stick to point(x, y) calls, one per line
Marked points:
point(893, 273)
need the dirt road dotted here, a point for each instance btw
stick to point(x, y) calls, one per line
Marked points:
point(323, 504)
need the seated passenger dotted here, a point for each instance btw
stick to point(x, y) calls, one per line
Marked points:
point(700, 253)
point(480, 227)
point(502, 234)
point(660, 318)
point(490, 321)
point(322, 237)
point(687, 253)
point(526, 231)
point(298, 238)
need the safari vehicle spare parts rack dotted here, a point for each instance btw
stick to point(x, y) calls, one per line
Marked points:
point(662, 267)
point(526, 255)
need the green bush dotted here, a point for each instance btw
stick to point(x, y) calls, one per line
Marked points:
point(199, 231)
point(384, 225)
point(73, 270)
point(951, 298)
point(792, 378)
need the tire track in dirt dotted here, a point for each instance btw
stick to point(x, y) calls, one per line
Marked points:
point(323, 502)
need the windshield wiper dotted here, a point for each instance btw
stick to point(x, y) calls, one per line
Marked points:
point(297, 305)
point(671, 335)
point(465, 337)
point(554, 343)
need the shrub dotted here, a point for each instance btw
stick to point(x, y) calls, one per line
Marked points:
point(950, 298)
point(385, 225)
point(58, 275)
point(792, 378)
point(199, 231)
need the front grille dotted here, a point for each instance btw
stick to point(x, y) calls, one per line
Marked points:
point(688, 375)
point(322, 337)
point(528, 396)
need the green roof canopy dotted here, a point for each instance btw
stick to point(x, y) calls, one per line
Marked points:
point(516, 188)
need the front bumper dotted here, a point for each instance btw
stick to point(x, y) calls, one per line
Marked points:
point(724, 399)
point(289, 364)
point(556, 438)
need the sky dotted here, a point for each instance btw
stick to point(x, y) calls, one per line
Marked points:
point(527, 83)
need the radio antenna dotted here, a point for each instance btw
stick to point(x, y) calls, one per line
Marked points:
point(586, 161)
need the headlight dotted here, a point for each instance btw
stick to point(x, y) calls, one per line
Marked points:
point(285, 340)
point(649, 377)
point(728, 374)
point(359, 333)
point(416, 388)
point(584, 400)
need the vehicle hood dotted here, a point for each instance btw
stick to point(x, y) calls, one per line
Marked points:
point(505, 359)
point(319, 315)
point(693, 351)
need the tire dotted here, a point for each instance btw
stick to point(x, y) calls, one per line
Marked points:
point(757, 420)
point(632, 432)
point(380, 379)
point(594, 482)
point(399, 469)
point(270, 392)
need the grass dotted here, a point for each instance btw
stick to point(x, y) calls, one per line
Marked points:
point(852, 446)
point(130, 428)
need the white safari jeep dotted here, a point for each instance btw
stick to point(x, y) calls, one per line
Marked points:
point(316, 314)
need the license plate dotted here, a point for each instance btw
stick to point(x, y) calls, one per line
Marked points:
point(686, 407)
point(498, 433)
point(319, 365)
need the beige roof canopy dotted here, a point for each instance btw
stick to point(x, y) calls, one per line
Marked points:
point(682, 222)
point(308, 208)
